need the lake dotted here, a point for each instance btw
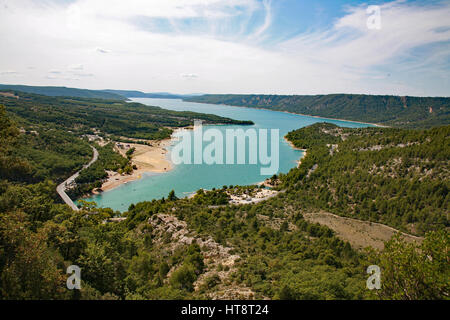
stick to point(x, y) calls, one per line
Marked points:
point(185, 179)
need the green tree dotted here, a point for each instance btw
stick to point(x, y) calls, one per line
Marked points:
point(29, 269)
point(412, 271)
point(172, 196)
point(183, 278)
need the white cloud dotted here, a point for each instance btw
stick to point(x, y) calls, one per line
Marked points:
point(189, 75)
point(83, 74)
point(344, 58)
point(350, 42)
point(75, 67)
point(354, 49)
point(52, 77)
point(161, 9)
point(9, 73)
point(267, 19)
point(101, 50)
point(73, 72)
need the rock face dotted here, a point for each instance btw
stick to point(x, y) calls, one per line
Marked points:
point(219, 260)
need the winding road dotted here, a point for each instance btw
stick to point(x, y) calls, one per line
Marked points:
point(61, 189)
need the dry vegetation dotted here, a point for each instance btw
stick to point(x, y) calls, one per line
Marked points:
point(360, 234)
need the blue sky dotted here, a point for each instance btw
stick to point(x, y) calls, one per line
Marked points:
point(228, 46)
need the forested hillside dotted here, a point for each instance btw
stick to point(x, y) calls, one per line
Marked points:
point(52, 129)
point(107, 94)
point(395, 111)
point(394, 176)
point(37, 153)
point(138, 258)
point(204, 248)
point(113, 117)
point(63, 92)
point(140, 94)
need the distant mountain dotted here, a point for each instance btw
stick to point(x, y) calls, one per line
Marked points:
point(113, 117)
point(97, 94)
point(64, 92)
point(396, 111)
point(140, 94)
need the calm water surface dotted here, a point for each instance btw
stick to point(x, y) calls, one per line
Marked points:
point(186, 179)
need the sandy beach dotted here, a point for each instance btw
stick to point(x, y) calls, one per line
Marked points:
point(146, 158)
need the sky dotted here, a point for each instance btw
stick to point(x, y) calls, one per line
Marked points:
point(229, 46)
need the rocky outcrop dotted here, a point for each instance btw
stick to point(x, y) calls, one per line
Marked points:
point(219, 260)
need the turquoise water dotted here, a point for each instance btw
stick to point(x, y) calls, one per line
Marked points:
point(187, 178)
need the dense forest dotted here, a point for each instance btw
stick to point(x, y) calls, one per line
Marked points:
point(64, 92)
point(52, 127)
point(140, 94)
point(112, 117)
point(398, 177)
point(86, 93)
point(203, 247)
point(404, 112)
point(40, 238)
point(42, 152)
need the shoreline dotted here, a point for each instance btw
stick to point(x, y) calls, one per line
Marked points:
point(337, 119)
point(292, 145)
point(305, 151)
point(300, 114)
point(147, 159)
point(155, 158)
point(299, 161)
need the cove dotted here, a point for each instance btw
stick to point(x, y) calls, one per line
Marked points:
point(186, 179)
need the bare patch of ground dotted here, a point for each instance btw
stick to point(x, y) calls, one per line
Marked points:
point(253, 196)
point(360, 234)
point(9, 95)
point(150, 158)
